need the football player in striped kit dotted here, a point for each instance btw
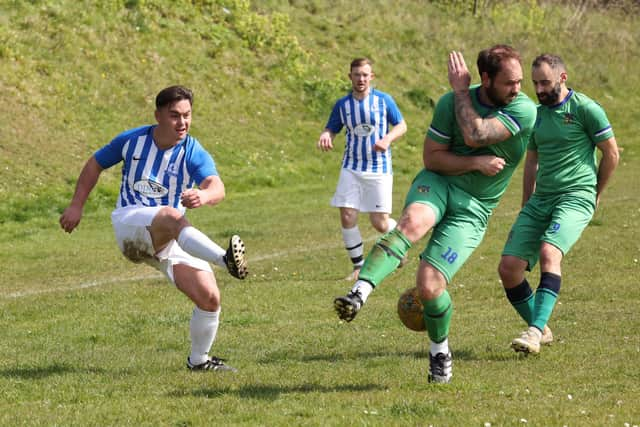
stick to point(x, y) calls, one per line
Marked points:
point(372, 121)
point(163, 164)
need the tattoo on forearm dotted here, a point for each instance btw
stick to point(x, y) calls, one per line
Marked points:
point(483, 132)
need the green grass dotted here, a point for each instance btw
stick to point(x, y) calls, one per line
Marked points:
point(90, 339)
point(113, 353)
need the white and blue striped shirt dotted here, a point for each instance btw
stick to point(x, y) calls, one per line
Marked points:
point(154, 177)
point(366, 121)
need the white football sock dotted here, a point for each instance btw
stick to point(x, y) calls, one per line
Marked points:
point(440, 347)
point(391, 224)
point(364, 288)
point(196, 243)
point(202, 328)
point(353, 243)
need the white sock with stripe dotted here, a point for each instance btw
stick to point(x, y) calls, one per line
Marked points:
point(353, 243)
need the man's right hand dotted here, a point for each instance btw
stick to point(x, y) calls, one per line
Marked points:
point(459, 76)
point(325, 143)
point(489, 165)
point(70, 218)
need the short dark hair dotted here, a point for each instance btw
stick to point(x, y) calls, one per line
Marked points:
point(360, 62)
point(554, 61)
point(173, 94)
point(490, 60)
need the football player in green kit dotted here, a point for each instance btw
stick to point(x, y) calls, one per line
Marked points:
point(561, 189)
point(477, 137)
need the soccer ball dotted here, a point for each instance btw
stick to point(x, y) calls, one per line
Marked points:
point(410, 310)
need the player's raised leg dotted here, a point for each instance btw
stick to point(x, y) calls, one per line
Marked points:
point(385, 257)
point(169, 223)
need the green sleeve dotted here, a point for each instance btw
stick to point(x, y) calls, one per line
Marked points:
point(518, 115)
point(444, 120)
point(596, 122)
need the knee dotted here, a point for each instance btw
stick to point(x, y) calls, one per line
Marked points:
point(505, 268)
point(431, 284)
point(411, 226)
point(169, 213)
point(511, 270)
point(416, 221)
point(169, 218)
point(209, 302)
point(380, 224)
point(550, 255)
point(348, 218)
point(430, 291)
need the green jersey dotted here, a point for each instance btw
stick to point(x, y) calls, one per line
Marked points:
point(518, 117)
point(565, 136)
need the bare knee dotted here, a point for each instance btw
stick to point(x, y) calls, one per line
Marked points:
point(380, 222)
point(511, 270)
point(416, 221)
point(206, 298)
point(550, 258)
point(166, 226)
point(210, 302)
point(348, 217)
point(198, 285)
point(169, 219)
point(430, 282)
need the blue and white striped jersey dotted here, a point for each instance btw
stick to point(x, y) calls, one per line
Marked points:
point(366, 122)
point(153, 177)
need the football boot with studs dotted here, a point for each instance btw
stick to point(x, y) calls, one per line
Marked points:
point(211, 364)
point(348, 306)
point(235, 258)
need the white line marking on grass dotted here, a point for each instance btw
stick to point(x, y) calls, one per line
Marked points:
point(97, 283)
point(85, 285)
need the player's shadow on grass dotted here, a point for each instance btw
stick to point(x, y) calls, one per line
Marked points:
point(274, 392)
point(341, 357)
point(40, 372)
point(279, 357)
point(496, 355)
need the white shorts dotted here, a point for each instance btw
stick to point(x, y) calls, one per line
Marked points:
point(134, 240)
point(365, 192)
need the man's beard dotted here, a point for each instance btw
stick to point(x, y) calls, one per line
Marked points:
point(550, 98)
point(495, 99)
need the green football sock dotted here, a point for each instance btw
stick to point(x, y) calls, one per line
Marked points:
point(522, 299)
point(384, 257)
point(437, 316)
point(545, 299)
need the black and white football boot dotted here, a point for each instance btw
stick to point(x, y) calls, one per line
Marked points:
point(348, 306)
point(212, 364)
point(235, 258)
point(440, 367)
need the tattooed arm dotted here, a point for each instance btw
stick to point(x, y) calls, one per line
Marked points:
point(477, 131)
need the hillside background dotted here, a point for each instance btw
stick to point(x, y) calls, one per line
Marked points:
point(73, 74)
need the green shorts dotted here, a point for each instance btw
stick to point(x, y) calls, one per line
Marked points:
point(461, 221)
point(555, 219)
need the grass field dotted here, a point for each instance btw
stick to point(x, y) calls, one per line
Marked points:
point(90, 339)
